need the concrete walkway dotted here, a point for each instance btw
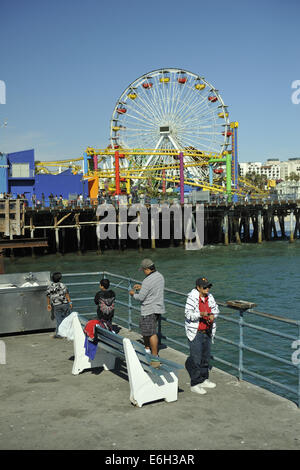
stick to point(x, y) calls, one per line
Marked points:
point(43, 406)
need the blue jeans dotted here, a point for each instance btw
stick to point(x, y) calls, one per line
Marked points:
point(197, 364)
point(60, 312)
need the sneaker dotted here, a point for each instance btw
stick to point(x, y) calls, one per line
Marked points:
point(208, 384)
point(198, 389)
point(155, 362)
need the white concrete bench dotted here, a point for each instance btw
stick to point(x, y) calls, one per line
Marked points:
point(146, 382)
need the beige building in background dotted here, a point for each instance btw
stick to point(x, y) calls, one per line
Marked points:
point(272, 168)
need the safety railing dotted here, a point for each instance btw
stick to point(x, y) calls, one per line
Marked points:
point(233, 322)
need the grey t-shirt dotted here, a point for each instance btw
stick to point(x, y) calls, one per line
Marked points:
point(151, 294)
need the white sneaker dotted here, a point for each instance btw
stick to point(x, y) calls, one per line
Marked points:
point(198, 389)
point(208, 384)
point(148, 351)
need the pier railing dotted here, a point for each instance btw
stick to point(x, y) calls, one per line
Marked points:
point(254, 346)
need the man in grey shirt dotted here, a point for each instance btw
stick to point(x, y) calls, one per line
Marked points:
point(151, 296)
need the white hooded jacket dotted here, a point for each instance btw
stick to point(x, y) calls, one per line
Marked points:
point(192, 313)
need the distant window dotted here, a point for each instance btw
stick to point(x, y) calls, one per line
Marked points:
point(20, 170)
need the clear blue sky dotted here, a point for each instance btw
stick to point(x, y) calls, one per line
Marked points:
point(65, 64)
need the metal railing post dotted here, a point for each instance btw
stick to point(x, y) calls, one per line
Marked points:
point(129, 305)
point(241, 344)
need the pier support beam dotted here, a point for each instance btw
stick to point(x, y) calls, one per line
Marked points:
point(226, 229)
point(291, 226)
point(56, 231)
point(32, 236)
point(259, 227)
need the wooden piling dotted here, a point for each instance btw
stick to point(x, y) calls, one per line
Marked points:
point(56, 229)
point(225, 228)
point(32, 236)
point(291, 226)
point(259, 227)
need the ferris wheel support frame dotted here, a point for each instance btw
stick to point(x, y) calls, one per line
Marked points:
point(234, 149)
point(228, 161)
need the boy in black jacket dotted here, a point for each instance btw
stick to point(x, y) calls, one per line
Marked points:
point(105, 301)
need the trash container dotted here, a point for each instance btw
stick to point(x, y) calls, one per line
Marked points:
point(23, 303)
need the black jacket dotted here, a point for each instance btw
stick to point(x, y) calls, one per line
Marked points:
point(105, 301)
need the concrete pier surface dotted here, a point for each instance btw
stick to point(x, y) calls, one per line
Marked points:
point(44, 407)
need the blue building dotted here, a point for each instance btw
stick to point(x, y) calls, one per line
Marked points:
point(17, 176)
point(21, 175)
point(66, 184)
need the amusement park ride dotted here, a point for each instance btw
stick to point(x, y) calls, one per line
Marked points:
point(170, 126)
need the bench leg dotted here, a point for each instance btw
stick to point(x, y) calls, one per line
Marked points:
point(81, 361)
point(145, 387)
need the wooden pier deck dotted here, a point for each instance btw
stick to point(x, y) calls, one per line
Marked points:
point(44, 407)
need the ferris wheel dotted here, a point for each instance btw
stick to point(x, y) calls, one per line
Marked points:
point(170, 109)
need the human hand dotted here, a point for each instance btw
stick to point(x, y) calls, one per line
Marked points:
point(131, 292)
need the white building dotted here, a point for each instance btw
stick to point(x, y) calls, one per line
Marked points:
point(273, 168)
point(288, 190)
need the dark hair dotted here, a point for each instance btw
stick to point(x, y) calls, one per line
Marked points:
point(104, 283)
point(56, 277)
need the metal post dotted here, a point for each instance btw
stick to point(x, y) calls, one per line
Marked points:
point(85, 163)
point(129, 305)
point(235, 174)
point(95, 159)
point(164, 181)
point(181, 178)
point(117, 172)
point(228, 176)
point(211, 176)
point(241, 344)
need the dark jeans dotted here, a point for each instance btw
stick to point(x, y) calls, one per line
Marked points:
point(197, 364)
point(60, 312)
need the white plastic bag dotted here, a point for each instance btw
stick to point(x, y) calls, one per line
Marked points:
point(65, 329)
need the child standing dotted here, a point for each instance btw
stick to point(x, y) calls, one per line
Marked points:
point(58, 300)
point(105, 301)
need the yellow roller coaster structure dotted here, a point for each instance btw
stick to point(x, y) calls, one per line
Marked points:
point(100, 164)
point(46, 167)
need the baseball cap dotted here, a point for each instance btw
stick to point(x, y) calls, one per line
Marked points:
point(203, 282)
point(146, 263)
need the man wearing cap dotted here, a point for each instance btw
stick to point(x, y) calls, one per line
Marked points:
point(151, 295)
point(201, 311)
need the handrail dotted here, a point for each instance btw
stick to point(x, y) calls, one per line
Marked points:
point(225, 316)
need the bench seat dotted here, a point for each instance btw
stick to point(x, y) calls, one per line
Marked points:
point(146, 382)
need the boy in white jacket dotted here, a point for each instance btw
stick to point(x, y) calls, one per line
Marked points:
point(201, 311)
